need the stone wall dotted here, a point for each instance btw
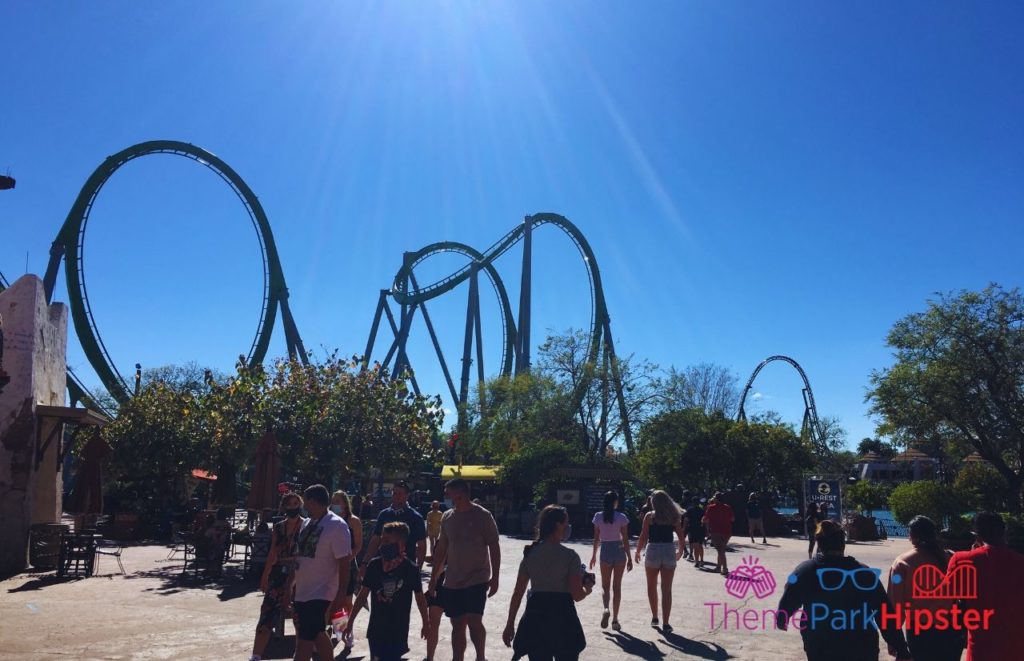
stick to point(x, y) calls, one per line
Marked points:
point(35, 344)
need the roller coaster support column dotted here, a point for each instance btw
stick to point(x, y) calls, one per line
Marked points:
point(375, 326)
point(613, 362)
point(472, 326)
point(402, 363)
point(523, 339)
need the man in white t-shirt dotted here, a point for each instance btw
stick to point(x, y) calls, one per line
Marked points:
point(321, 576)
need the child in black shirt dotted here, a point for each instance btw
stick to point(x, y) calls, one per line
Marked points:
point(393, 579)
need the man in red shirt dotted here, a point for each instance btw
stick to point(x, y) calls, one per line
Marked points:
point(718, 519)
point(1000, 572)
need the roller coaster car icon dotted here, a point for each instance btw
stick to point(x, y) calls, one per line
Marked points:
point(930, 583)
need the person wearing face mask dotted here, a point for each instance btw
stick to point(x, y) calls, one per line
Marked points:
point(469, 554)
point(550, 628)
point(324, 560)
point(342, 506)
point(278, 572)
point(391, 582)
point(416, 546)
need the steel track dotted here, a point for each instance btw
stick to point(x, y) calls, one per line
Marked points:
point(70, 242)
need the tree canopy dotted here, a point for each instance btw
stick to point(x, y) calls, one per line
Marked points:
point(333, 421)
point(692, 449)
point(958, 379)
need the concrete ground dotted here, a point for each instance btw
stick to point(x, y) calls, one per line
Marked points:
point(152, 613)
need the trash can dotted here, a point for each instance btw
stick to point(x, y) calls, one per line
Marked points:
point(44, 544)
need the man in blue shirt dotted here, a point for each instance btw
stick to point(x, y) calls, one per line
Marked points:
point(416, 545)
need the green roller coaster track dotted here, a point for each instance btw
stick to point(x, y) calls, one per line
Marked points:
point(69, 244)
point(412, 297)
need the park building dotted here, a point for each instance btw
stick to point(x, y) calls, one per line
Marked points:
point(910, 465)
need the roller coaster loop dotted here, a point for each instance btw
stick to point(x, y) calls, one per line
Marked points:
point(68, 246)
point(411, 296)
point(811, 426)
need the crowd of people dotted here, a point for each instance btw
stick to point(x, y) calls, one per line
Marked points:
point(314, 570)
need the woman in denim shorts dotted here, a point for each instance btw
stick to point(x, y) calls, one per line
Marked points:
point(662, 552)
point(611, 539)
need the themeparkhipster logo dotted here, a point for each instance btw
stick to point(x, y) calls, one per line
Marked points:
point(945, 592)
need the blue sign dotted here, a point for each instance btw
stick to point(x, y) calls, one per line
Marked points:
point(827, 493)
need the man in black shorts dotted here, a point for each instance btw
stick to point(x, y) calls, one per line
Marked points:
point(470, 556)
point(324, 559)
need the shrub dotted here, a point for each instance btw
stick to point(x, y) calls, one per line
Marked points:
point(981, 486)
point(1014, 530)
point(936, 501)
point(867, 496)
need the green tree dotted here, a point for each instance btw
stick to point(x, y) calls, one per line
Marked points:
point(527, 472)
point(564, 359)
point(959, 377)
point(696, 450)
point(879, 447)
point(154, 447)
point(338, 421)
point(704, 386)
point(231, 420)
point(981, 486)
point(936, 501)
point(867, 496)
point(515, 412)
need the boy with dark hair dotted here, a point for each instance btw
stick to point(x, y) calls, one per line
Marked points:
point(393, 579)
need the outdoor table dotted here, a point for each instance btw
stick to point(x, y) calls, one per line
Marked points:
point(79, 549)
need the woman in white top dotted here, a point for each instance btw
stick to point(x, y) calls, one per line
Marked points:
point(611, 536)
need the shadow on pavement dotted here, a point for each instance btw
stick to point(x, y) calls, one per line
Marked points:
point(46, 581)
point(231, 583)
point(633, 646)
point(696, 648)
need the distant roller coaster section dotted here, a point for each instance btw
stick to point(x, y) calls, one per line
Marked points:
point(68, 247)
point(811, 426)
point(412, 297)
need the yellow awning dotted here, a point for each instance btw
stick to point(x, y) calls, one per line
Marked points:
point(470, 472)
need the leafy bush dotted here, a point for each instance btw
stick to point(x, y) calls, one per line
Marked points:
point(526, 473)
point(867, 496)
point(982, 486)
point(936, 501)
point(1014, 530)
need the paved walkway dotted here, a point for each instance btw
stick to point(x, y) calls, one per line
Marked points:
point(153, 614)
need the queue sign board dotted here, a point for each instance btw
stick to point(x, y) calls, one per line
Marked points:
point(826, 492)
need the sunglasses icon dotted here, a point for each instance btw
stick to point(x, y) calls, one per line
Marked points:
point(865, 579)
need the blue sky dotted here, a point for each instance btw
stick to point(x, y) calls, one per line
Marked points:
point(755, 178)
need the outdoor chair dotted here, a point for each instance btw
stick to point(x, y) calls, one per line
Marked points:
point(77, 554)
point(197, 557)
point(180, 546)
point(114, 550)
point(256, 552)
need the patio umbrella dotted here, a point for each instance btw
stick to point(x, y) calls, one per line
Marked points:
point(87, 496)
point(265, 476)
